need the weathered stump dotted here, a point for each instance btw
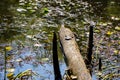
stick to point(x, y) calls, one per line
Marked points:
point(71, 51)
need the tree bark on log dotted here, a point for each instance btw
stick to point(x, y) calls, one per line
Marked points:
point(71, 51)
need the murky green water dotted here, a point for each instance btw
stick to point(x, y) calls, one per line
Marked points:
point(28, 26)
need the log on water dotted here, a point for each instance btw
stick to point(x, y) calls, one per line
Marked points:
point(71, 51)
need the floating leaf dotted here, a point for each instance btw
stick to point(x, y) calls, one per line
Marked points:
point(45, 59)
point(109, 33)
point(99, 73)
point(34, 39)
point(32, 11)
point(10, 70)
point(115, 18)
point(29, 36)
point(8, 58)
point(116, 51)
point(10, 75)
point(21, 10)
point(104, 24)
point(45, 10)
point(8, 48)
point(97, 31)
point(38, 45)
point(119, 42)
point(18, 60)
point(117, 28)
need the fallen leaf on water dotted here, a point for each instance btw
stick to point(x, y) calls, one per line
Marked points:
point(8, 48)
point(99, 73)
point(29, 36)
point(38, 45)
point(10, 69)
point(45, 59)
point(109, 33)
point(119, 42)
point(10, 75)
point(97, 31)
point(117, 28)
point(116, 51)
point(18, 60)
point(104, 24)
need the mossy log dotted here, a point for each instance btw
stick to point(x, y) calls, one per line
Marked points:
point(71, 52)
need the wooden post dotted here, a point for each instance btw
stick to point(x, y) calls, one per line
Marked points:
point(100, 64)
point(55, 59)
point(90, 45)
point(89, 50)
point(72, 53)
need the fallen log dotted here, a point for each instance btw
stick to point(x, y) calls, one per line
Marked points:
point(71, 52)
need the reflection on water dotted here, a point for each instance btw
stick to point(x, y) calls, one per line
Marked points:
point(28, 26)
point(35, 58)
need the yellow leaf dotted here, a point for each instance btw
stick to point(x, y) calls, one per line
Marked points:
point(104, 24)
point(119, 42)
point(97, 31)
point(10, 75)
point(8, 48)
point(116, 51)
point(109, 33)
point(45, 59)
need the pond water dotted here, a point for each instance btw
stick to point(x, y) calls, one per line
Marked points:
point(26, 32)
